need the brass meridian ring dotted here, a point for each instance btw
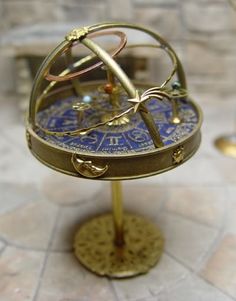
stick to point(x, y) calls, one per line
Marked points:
point(70, 76)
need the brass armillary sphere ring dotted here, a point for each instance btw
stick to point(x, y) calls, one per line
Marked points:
point(70, 76)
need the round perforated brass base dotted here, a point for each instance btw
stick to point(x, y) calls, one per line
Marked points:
point(227, 145)
point(95, 248)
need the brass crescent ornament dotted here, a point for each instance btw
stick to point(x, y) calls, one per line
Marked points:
point(87, 168)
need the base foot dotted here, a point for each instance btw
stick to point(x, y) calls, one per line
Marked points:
point(95, 248)
point(227, 145)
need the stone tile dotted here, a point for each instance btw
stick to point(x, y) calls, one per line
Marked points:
point(14, 195)
point(160, 297)
point(27, 13)
point(208, 17)
point(122, 10)
point(210, 57)
point(159, 279)
point(146, 200)
point(185, 240)
point(87, 13)
point(9, 110)
point(16, 134)
point(226, 167)
point(30, 226)
point(158, 18)
point(65, 280)
point(138, 197)
point(199, 170)
point(195, 289)
point(220, 269)
point(19, 275)
point(65, 190)
point(68, 222)
point(2, 246)
point(230, 224)
point(155, 2)
point(205, 205)
point(19, 166)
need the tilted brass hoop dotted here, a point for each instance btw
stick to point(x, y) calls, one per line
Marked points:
point(69, 76)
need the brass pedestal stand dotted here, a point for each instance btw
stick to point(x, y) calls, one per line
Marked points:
point(227, 145)
point(113, 130)
point(118, 245)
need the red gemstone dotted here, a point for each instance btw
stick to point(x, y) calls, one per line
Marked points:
point(108, 88)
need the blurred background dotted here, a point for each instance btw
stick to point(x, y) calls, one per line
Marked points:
point(194, 205)
point(202, 32)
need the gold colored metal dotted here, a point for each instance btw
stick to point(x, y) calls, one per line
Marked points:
point(28, 139)
point(80, 107)
point(87, 168)
point(131, 166)
point(64, 45)
point(176, 94)
point(77, 34)
point(94, 246)
point(175, 118)
point(75, 82)
point(155, 92)
point(117, 213)
point(178, 155)
point(227, 145)
point(128, 86)
point(114, 97)
point(112, 141)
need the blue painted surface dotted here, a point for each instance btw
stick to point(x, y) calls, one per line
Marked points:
point(133, 137)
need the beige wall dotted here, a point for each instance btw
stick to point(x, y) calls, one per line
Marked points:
point(203, 31)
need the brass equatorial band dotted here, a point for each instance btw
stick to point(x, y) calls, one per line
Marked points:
point(121, 167)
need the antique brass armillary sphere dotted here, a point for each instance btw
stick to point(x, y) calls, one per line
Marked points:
point(113, 129)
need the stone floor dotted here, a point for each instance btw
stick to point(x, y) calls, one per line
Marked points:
point(194, 205)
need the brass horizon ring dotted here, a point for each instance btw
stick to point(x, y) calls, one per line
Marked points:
point(123, 41)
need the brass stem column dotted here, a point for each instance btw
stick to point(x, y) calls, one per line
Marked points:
point(117, 204)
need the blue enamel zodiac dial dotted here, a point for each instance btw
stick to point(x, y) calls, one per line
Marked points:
point(130, 136)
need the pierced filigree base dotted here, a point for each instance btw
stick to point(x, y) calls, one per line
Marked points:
point(227, 145)
point(95, 248)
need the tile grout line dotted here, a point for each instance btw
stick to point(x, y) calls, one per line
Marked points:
point(197, 275)
point(3, 249)
point(217, 288)
point(113, 289)
point(193, 220)
point(220, 235)
point(47, 253)
point(216, 243)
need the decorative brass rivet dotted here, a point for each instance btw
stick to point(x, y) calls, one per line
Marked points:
point(77, 34)
point(178, 155)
